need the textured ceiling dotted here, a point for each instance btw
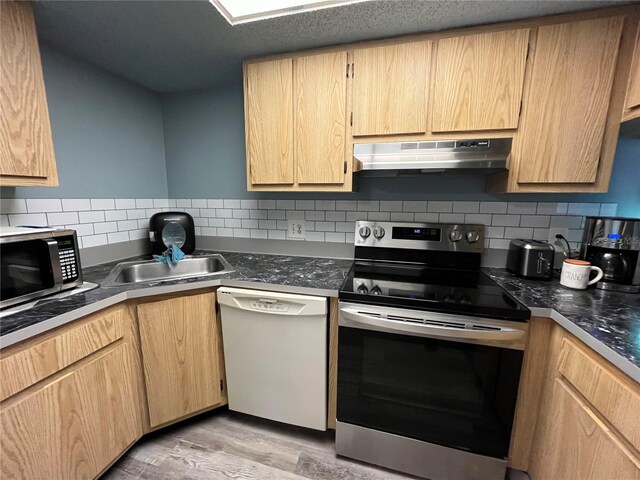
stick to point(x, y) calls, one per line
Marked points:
point(182, 45)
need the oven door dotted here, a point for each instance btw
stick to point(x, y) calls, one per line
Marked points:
point(445, 379)
point(29, 268)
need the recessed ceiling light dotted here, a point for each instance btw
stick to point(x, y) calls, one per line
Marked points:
point(244, 11)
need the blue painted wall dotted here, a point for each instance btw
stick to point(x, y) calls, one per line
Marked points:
point(107, 134)
point(204, 146)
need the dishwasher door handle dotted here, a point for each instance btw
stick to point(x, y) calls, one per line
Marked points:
point(464, 329)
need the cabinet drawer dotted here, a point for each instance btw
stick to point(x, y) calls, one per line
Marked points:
point(615, 397)
point(28, 364)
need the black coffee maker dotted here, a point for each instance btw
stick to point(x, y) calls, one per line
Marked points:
point(613, 244)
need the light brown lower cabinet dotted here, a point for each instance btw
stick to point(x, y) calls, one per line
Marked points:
point(180, 355)
point(578, 416)
point(75, 425)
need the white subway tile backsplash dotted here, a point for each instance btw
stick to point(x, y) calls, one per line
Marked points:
point(522, 207)
point(277, 235)
point(295, 215)
point(13, 205)
point(314, 237)
point(535, 221)
point(493, 207)
point(162, 203)
point(144, 222)
point(368, 206)
point(267, 204)
point(258, 214)
point(345, 226)
point(355, 216)
point(325, 204)
point(310, 225)
point(91, 217)
point(194, 212)
point(479, 218)
point(241, 233)
point(118, 237)
point(583, 209)
point(452, 217)
point(249, 223)
point(466, 207)
point(125, 203)
point(216, 222)
point(197, 203)
point(224, 213)
point(334, 237)
point(336, 216)
point(402, 216)
point(144, 203)
point(444, 207)
point(541, 234)
point(231, 203)
point(208, 212)
point(233, 222)
point(565, 221)
point(506, 220)
point(314, 215)
point(498, 243)
point(4, 220)
point(286, 204)
point(82, 229)
point(350, 238)
point(94, 240)
point(183, 203)
point(37, 219)
point(267, 224)
point(135, 214)
point(380, 216)
point(518, 232)
point(138, 234)
point(215, 203)
point(127, 225)
point(552, 208)
point(494, 232)
point(44, 205)
point(325, 226)
point(56, 219)
point(346, 205)
point(413, 206)
point(276, 214)
point(305, 204)
point(425, 217)
point(394, 206)
point(259, 234)
point(608, 209)
point(241, 213)
point(76, 204)
point(209, 231)
point(249, 204)
point(149, 212)
point(282, 225)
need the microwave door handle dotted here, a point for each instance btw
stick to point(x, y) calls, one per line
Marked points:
point(507, 337)
point(54, 255)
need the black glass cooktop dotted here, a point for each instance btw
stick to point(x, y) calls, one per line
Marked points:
point(468, 292)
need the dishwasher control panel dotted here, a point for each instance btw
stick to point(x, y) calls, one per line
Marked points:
point(269, 306)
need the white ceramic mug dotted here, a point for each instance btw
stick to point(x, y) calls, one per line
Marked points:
point(575, 274)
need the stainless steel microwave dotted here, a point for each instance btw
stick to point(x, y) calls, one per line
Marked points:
point(35, 263)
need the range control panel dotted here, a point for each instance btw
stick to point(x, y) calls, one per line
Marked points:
point(422, 236)
point(68, 259)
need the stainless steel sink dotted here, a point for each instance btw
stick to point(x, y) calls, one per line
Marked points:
point(150, 271)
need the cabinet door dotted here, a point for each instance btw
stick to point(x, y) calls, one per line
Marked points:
point(633, 92)
point(390, 89)
point(26, 146)
point(579, 445)
point(180, 356)
point(478, 81)
point(320, 118)
point(75, 426)
point(269, 121)
point(567, 101)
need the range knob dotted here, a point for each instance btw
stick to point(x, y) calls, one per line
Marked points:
point(378, 232)
point(376, 290)
point(455, 235)
point(363, 289)
point(365, 232)
point(472, 236)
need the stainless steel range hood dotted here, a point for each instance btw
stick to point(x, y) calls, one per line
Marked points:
point(479, 156)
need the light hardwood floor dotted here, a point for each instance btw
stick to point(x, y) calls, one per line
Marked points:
point(223, 445)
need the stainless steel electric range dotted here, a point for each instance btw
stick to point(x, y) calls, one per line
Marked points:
point(429, 353)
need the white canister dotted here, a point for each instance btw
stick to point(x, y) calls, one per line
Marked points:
point(575, 274)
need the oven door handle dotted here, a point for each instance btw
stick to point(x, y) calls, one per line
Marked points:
point(499, 334)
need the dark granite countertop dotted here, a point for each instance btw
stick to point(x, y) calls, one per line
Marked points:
point(319, 276)
point(610, 318)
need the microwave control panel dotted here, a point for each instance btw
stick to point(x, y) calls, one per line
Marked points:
point(68, 259)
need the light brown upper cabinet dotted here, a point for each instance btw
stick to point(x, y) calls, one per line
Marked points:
point(478, 81)
point(26, 145)
point(295, 121)
point(565, 110)
point(320, 118)
point(179, 340)
point(269, 122)
point(632, 103)
point(390, 89)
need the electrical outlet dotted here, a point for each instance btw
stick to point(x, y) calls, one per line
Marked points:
point(296, 230)
point(552, 237)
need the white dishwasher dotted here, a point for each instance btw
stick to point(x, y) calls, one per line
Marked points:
point(275, 354)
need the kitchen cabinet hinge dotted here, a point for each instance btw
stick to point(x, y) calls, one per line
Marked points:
point(353, 70)
point(351, 119)
point(222, 385)
point(345, 166)
point(347, 70)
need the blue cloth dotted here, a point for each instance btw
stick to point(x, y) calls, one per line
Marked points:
point(170, 256)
